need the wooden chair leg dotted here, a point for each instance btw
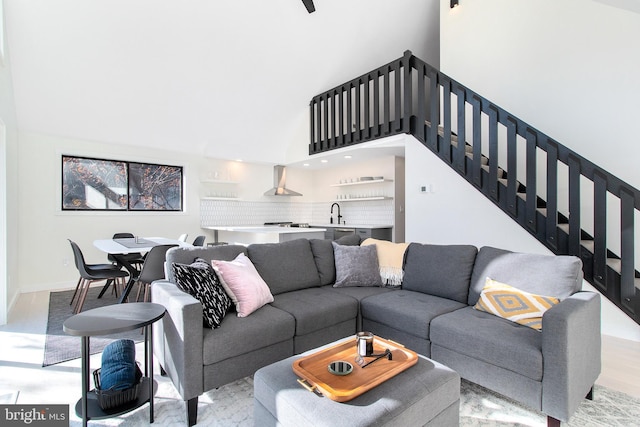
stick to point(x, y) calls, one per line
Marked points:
point(76, 291)
point(147, 294)
point(116, 287)
point(80, 291)
point(140, 285)
point(83, 295)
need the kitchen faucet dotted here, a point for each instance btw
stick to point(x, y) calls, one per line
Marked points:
point(339, 216)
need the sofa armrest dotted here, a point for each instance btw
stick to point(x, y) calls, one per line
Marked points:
point(571, 345)
point(178, 339)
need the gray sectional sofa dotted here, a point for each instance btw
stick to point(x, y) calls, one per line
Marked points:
point(432, 313)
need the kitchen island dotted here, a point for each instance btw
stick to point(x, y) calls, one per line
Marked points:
point(247, 234)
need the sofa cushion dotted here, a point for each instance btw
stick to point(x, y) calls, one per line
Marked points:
point(187, 255)
point(490, 339)
point(240, 335)
point(408, 311)
point(359, 292)
point(440, 270)
point(200, 281)
point(323, 256)
point(356, 266)
point(514, 304)
point(242, 280)
point(555, 276)
point(286, 266)
point(316, 308)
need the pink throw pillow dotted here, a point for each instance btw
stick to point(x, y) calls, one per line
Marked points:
point(247, 289)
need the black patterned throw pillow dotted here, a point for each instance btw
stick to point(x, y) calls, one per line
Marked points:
point(203, 284)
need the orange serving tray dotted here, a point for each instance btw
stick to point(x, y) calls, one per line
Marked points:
point(313, 369)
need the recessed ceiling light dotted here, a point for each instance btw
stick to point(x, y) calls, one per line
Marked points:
point(324, 161)
point(348, 156)
point(305, 164)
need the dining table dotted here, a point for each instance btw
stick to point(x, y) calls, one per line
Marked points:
point(118, 248)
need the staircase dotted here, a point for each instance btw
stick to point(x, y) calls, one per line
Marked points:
point(541, 184)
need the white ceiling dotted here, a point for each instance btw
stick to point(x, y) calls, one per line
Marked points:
point(228, 79)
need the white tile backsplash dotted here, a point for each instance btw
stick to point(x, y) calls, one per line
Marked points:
point(370, 212)
point(238, 212)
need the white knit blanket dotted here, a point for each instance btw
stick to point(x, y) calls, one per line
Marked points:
point(390, 256)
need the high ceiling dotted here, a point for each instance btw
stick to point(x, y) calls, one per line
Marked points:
point(223, 78)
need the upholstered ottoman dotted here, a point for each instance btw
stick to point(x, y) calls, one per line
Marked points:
point(428, 393)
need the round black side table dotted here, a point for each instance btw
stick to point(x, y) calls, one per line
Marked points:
point(108, 320)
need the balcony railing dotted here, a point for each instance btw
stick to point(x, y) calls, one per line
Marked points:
point(567, 202)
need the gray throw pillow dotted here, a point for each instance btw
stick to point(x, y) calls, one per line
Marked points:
point(356, 266)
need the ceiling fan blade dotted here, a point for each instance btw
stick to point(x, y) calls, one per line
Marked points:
point(309, 5)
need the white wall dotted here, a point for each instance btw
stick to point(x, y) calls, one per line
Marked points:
point(9, 287)
point(45, 259)
point(357, 212)
point(3, 223)
point(453, 212)
point(44, 229)
point(569, 68)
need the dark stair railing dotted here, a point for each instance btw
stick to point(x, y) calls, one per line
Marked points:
point(407, 96)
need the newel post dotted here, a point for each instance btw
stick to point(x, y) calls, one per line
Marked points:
point(408, 92)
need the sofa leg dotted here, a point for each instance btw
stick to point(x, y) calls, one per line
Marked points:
point(552, 422)
point(192, 411)
point(590, 394)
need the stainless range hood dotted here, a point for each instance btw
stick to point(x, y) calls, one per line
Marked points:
point(279, 183)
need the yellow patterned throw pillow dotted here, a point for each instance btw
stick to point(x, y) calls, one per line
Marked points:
point(514, 304)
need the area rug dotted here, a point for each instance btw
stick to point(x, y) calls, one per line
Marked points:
point(60, 347)
point(232, 406)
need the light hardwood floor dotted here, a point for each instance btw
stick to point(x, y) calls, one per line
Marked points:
point(620, 365)
point(22, 350)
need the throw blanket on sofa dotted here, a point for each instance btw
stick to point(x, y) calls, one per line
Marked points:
point(390, 256)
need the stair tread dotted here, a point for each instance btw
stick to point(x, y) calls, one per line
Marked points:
point(564, 227)
point(487, 169)
point(615, 264)
point(454, 138)
point(589, 244)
